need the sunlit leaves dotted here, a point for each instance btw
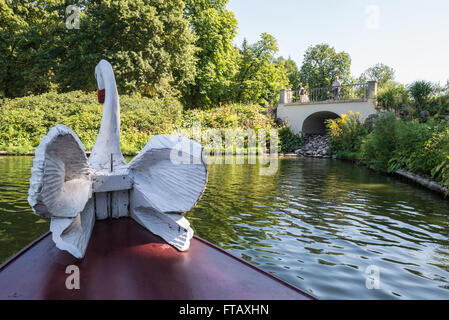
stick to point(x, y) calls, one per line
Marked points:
point(322, 63)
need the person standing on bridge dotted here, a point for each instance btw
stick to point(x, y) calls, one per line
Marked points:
point(303, 94)
point(336, 87)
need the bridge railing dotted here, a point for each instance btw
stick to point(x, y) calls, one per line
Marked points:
point(354, 92)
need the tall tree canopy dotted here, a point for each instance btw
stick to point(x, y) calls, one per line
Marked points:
point(215, 28)
point(292, 71)
point(182, 48)
point(148, 42)
point(23, 33)
point(380, 72)
point(259, 78)
point(322, 63)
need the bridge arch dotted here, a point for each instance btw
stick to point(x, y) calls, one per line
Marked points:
point(316, 122)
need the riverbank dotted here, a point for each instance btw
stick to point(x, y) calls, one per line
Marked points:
point(318, 146)
point(426, 183)
point(31, 154)
point(24, 121)
point(417, 149)
point(400, 174)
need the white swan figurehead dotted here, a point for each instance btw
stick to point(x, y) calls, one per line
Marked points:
point(164, 181)
point(107, 145)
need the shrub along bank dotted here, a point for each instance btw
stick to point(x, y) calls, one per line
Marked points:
point(24, 121)
point(389, 143)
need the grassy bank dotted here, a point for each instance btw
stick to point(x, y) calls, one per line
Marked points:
point(24, 121)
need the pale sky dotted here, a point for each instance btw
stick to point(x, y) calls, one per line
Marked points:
point(410, 36)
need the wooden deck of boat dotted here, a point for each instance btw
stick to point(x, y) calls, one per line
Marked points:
point(125, 261)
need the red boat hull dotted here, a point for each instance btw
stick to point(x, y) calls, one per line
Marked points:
point(125, 261)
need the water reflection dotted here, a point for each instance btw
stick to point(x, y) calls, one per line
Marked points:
point(18, 225)
point(318, 224)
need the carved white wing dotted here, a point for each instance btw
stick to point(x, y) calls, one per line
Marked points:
point(60, 188)
point(73, 234)
point(170, 175)
point(60, 182)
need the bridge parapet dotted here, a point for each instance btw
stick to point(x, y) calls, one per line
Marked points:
point(356, 92)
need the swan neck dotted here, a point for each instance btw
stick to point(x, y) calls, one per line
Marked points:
point(107, 146)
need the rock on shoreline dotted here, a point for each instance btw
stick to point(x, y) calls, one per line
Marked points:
point(316, 146)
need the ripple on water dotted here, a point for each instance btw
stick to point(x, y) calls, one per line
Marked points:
point(326, 222)
point(318, 224)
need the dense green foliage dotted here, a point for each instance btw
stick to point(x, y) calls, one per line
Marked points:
point(288, 140)
point(393, 96)
point(216, 59)
point(379, 146)
point(322, 63)
point(346, 134)
point(411, 145)
point(392, 144)
point(420, 147)
point(441, 173)
point(421, 91)
point(181, 48)
point(259, 78)
point(409, 102)
point(228, 116)
point(24, 121)
point(149, 43)
point(292, 71)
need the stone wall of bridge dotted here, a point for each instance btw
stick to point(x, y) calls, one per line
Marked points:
point(309, 118)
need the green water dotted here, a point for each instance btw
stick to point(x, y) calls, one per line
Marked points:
point(318, 224)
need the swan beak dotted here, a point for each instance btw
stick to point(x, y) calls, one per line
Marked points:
point(100, 95)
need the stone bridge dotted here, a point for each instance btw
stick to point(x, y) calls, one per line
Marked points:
point(310, 117)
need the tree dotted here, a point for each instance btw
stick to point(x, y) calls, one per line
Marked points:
point(380, 72)
point(216, 59)
point(23, 26)
point(421, 91)
point(149, 44)
point(393, 96)
point(292, 71)
point(259, 78)
point(10, 27)
point(321, 64)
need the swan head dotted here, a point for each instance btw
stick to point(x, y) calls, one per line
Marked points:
point(102, 67)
